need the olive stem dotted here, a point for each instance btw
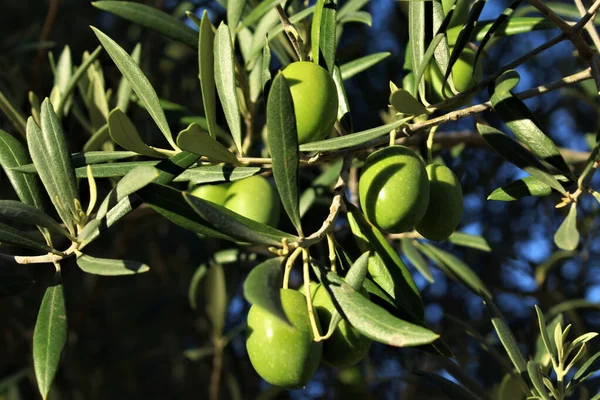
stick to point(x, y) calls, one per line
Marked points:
point(430, 144)
point(288, 267)
point(589, 27)
point(291, 32)
point(217, 367)
point(47, 258)
point(309, 305)
point(331, 248)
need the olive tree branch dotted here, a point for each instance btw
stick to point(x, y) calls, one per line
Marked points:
point(47, 258)
point(589, 27)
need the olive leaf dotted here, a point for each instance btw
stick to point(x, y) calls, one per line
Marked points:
point(195, 140)
point(215, 293)
point(224, 68)
point(125, 134)
point(13, 155)
point(152, 18)
point(416, 258)
point(343, 112)
point(262, 287)
point(452, 390)
point(24, 213)
point(283, 144)
point(567, 235)
point(528, 186)
point(472, 241)
point(110, 267)
point(370, 319)
point(125, 89)
point(206, 64)
point(351, 68)
point(49, 336)
point(405, 103)
point(323, 35)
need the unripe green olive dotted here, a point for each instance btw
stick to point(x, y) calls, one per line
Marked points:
point(462, 73)
point(283, 355)
point(460, 12)
point(254, 198)
point(213, 193)
point(445, 204)
point(394, 189)
point(315, 100)
point(346, 346)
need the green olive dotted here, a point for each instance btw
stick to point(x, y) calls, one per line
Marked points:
point(254, 198)
point(283, 355)
point(346, 346)
point(315, 100)
point(213, 193)
point(393, 189)
point(445, 204)
point(462, 73)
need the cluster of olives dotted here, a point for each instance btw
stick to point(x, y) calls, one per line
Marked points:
point(287, 355)
point(399, 193)
point(253, 198)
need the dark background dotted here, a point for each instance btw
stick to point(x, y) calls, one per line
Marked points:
point(128, 336)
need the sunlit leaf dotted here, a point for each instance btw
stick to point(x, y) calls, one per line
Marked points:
point(110, 267)
point(358, 65)
point(472, 241)
point(528, 186)
point(567, 235)
point(195, 140)
point(206, 64)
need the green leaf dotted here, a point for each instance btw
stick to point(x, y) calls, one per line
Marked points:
point(323, 37)
point(235, 225)
point(343, 113)
point(150, 17)
point(361, 17)
point(528, 186)
point(225, 82)
point(262, 287)
point(133, 181)
point(516, 154)
point(125, 89)
point(416, 259)
point(386, 267)
point(217, 173)
point(194, 287)
point(472, 241)
point(62, 75)
point(14, 236)
point(535, 374)
point(511, 388)
point(362, 64)
point(24, 213)
point(50, 154)
point(235, 9)
point(258, 12)
point(98, 139)
point(455, 268)
point(49, 337)
point(354, 139)
point(206, 64)
point(515, 26)
point(405, 103)
point(266, 68)
point(170, 203)
point(589, 368)
point(203, 123)
point(370, 319)
point(506, 337)
point(521, 121)
point(215, 293)
point(416, 33)
point(13, 154)
point(195, 140)
point(283, 145)
point(141, 86)
point(110, 267)
point(567, 235)
point(12, 114)
point(452, 390)
point(548, 344)
point(124, 133)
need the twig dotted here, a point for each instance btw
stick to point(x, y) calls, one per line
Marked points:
point(589, 27)
point(215, 376)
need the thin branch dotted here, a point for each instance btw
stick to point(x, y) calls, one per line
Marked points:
point(589, 27)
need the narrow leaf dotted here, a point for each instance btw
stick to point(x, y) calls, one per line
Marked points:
point(283, 145)
point(516, 154)
point(370, 319)
point(472, 241)
point(195, 140)
point(362, 64)
point(262, 287)
point(528, 186)
point(206, 65)
point(49, 337)
point(125, 89)
point(215, 294)
point(225, 82)
point(16, 237)
point(234, 224)
point(141, 86)
point(416, 259)
point(548, 344)
point(12, 114)
point(452, 390)
point(150, 17)
point(194, 287)
point(403, 102)
point(24, 213)
point(567, 235)
point(535, 374)
point(14, 154)
point(343, 114)
point(323, 35)
point(125, 134)
point(110, 267)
